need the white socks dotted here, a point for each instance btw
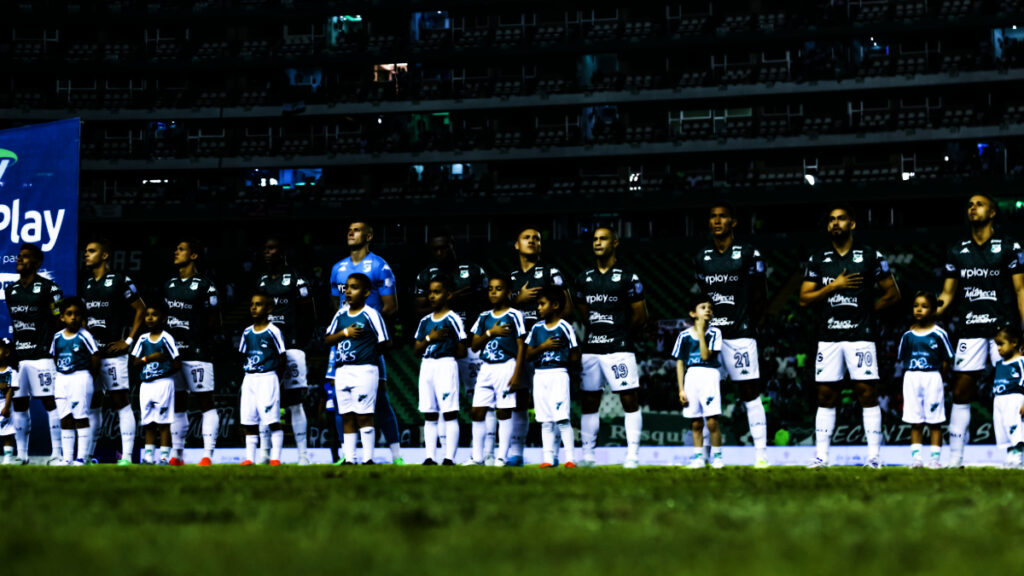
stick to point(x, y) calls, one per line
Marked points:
point(824, 425)
point(758, 422)
point(873, 430)
point(504, 438)
point(299, 425)
point(634, 428)
point(67, 442)
point(491, 421)
point(251, 442)
point(368, 438)
point(479, 434)
point(451, 438)
point(95, 423)
point(547, 441)
point(430, 438)
point(589, 426)
point(21, 433)
point(264, 436)
point(56, 436)
point(276, 444)
point(959, 422)
point(126, 421)
point(520, 427)
point(569, 439)
point(211, 426)
point(179, 429)
point(148, 452)
point(350, 446)
point(915, 452)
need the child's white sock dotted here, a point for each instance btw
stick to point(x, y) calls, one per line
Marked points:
point(824, 424)
point(276, 444)
point(368, 438)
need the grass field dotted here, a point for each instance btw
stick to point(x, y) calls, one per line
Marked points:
point(413, 520)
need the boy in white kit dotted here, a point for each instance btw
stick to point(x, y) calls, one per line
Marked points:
point(8, 384)
point(696, 352)
point(74, 353)
point(440, 340)
point(263, 347)
point(552, 347)
point(157, 354)
point(359, 336)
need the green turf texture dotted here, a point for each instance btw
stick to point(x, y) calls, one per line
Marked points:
point(412, 520)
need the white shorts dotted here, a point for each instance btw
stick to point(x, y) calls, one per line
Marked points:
point(616, 371)
point(261, 399)
point(975, 354)
point(1006, 419)
point(355, 388)
point(469, 370)
point(924, 398)
point(114, 373)
point(74, 394)
point(156, 401)
point(836, 359)
point(439, 385)
point(703, 390)
point(551, 394)
point(739, 356)
point(295, 375)
point(35, 378)
point(195, 377)
point(7, 425)
point(492, 386)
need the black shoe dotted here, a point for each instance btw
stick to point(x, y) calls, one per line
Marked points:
point(429, 462)
point(368, 462)
point(347, 463)
point(447, 462)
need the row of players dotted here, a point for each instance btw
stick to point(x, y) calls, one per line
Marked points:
point(983, 280)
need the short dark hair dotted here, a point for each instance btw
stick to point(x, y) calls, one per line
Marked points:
point(1010, 332)
point(722, 203)
point(160, 306)
point(553, 294)
point(933, 302)
point(501, 277)
point(443, 281)
point(362, 279)
point(700, 299)
point(263, 295)
point(844, 207)
point(194, 245)
point(33, 248)
point(103, 242)
point(69, 302)
point(442, 232)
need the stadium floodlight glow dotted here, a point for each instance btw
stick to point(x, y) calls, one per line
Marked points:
point(810, 179)
point(908, 175)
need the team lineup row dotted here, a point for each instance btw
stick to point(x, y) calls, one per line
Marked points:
point(521, 353)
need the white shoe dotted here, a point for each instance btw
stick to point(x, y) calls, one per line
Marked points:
point(874, 463)
point(586, 463)
point(471, 462)
point(717, 463)
point(489, 460)
point(917, 463)
point(631, 463)
point(8, 460)
point(60, 463)
point(303, 460)
point(933, 464)
point(762, 463)
point(499, 463)
point(955, 461)
point(818, 463)
point(55, 461)
point(263, 457)
point(697, 463)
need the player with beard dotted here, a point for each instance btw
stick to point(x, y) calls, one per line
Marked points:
point(984, 285)
point(840, 280)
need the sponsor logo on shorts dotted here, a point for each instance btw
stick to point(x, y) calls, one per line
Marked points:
point(934, 407)
point(709, 401)
point(362, 397)
point(445, 395)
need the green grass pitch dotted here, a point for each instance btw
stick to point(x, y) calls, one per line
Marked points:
point(412, 520)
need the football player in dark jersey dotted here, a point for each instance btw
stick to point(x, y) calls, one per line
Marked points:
point(732, 275)
point(984, 285)
point(114, 312)
point(840, 280)
point(610, 301)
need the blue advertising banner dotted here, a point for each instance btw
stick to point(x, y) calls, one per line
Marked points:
point(39, 202)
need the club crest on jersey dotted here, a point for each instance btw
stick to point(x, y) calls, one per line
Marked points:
point(286, 280)
point(616, 277)
point(736, 254)
point(538, 274)
point(36, 288)
point(194, 286)
point(858, 256)
point(996, 248)
point(463, 273)
point(108, 282)
point(367, 265)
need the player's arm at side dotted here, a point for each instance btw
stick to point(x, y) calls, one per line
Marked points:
point(948, 294)
point(680, 379)
point(1018, 288)
point(8, 392)
point(458, 332)
point(513, 383)
point(890, 293)
point(420, 288)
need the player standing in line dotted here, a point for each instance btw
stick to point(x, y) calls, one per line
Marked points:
point(263, 347)
point(382, 299)
point(925, 353)
point(358, 336)
point(193, 318)
point(552, 347)
point(527, 281)
point(984, 285)
point(841, 279)
point(32, 304)
point(294, 314)
point(108, 298)
point(157, 355)
point(733, 276)
point(74, 352)
point(8, 384)
point(440, 340)
point(697, 372)
point(498, 338)
point(610, 302)
point(468, 300)
point(1008, 396)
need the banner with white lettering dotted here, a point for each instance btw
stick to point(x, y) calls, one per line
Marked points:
point(39, 202)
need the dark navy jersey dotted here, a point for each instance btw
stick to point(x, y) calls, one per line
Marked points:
point(729, 279)
point(108, 310)
point(190, 301)
point(847, 315)
point(538, 276)
point(925, 351)
point(1008, 377)
point(33, 311)
point(687, 348)
point(985, 298)
point(463, 275)
point(609, 298)
point(288, 290)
